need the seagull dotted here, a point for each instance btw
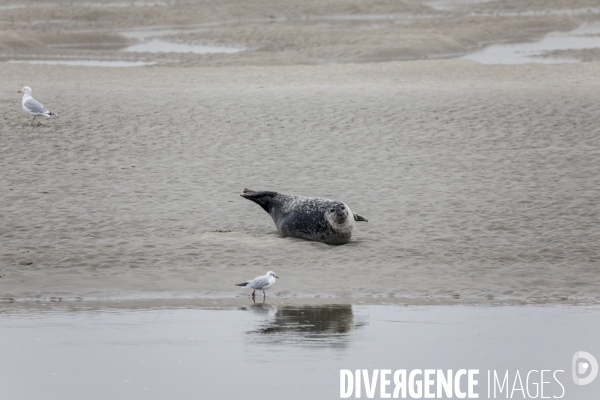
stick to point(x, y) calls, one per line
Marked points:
point(33, 107)
point(260, 283)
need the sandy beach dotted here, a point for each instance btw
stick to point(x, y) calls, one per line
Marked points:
point(479, 182)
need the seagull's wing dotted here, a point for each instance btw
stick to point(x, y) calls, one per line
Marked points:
point(35, 106)
point(260, 282)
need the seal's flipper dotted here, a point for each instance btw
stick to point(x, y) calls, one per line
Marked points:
point(358, 217)
point(263, 199)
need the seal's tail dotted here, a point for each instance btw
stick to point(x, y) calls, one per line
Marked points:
point(263, 199)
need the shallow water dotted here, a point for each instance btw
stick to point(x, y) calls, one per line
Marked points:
point(446, 5)
point(274, 351)
point(585, 37)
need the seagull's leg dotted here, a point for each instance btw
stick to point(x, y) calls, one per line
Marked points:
point(264, 294)
point(31, 124)
point(253, 294)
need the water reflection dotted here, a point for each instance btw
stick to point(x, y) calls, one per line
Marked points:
point(260, 307)
point(328, 325)
point(157, 350)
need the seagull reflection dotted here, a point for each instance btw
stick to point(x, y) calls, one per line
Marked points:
point(260, 308)
point(327, 326)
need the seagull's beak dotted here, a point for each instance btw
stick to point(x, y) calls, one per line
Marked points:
point(20, 91)
point(276, 276)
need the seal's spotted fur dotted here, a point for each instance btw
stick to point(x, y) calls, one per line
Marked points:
point(311, 218)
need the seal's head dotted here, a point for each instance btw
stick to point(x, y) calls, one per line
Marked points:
point(339, 215)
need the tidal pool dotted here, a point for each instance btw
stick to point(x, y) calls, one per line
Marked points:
point(277, 351)
point(586, 36)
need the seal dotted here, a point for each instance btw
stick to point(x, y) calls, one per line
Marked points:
point(311, 218)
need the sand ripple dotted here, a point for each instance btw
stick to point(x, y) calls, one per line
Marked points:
point(477, 181)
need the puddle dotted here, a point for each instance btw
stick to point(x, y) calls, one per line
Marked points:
point(447, 5)
point(161, 46)
point(291, 352)
point(540, 13)
point(87, 63)
point(586, 36)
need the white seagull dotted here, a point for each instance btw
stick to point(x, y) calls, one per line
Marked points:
point(33, 107)
point(260, 282)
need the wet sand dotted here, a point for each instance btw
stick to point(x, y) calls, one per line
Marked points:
point(479, 182)
point(287, 32)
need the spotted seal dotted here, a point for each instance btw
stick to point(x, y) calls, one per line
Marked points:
point(311, 218)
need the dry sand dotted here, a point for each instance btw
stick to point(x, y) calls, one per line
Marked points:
point(478, 181)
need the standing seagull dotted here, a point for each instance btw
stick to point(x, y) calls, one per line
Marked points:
point(261, 282)
point(33, 107)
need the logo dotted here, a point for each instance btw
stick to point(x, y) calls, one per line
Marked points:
point(584, 363)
